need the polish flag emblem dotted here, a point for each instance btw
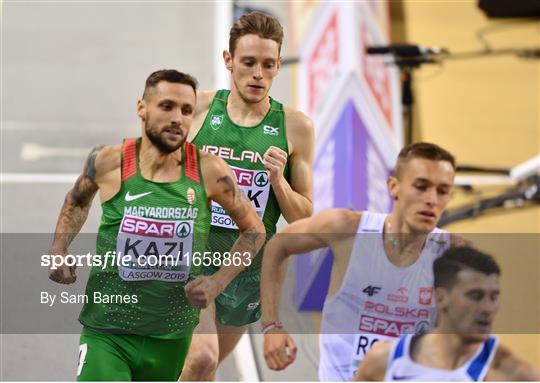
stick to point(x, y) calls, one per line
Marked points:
point(425, 296)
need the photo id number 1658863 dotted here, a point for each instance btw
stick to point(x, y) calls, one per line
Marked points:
point(217, 259)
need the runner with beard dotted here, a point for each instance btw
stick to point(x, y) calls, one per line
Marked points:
point(155, 194)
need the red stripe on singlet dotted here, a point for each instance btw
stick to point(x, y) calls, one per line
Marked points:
point(192, 170)
point(129, 163)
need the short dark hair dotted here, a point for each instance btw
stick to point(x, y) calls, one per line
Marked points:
point(170, 75)
point(423, 150)
point(256, 23)
point(455, 259)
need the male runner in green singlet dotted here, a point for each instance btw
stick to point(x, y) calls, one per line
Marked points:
point(270, 149)
point(155, 194)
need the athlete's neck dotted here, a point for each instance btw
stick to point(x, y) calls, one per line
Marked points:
point(245, 113)
point(154, 164)
point(444, 350)
point(402, 246)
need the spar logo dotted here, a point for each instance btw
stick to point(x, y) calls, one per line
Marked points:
point(249, 177)
point(386, 327)
point(261, 179)
point(421, 327)
point(253, 183)
point(147, 228)
point(183, 229)
point(256, 187)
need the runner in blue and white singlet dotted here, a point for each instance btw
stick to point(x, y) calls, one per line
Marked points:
point(460, 347)
point(402, 367)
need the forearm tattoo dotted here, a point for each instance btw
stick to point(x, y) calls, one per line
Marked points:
point(250, 241)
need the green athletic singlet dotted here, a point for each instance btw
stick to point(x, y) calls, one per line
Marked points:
point(242, 148)
point(154, 228)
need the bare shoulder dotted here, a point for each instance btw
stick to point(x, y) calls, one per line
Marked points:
point(373, 367)
point(508, 366)
point(343, 221)
point(204, 99)
point(300, 133)
point(456, 240)
point(102, 160)
point(109, 154)
point(333, 221)
point(212, 166)
point(297, 122)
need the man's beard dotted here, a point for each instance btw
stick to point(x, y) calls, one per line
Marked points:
point(159, 142)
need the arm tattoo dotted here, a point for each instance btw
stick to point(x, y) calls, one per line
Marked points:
point(240, 203)
point(77, 203)
point(251, 235)
point(90, 165)
point(229, 185)
point(249, 240)
point(74, 212)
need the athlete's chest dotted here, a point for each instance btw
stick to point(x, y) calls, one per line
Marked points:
point(391, 301)
point(238, 140)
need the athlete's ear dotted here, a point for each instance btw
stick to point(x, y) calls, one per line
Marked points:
point(393, 187)
point(141, 109)
point(441, 298)
point(227, 58)
point(279, 62)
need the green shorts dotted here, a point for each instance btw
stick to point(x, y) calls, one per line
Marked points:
point(106, 357)
point(239, 303)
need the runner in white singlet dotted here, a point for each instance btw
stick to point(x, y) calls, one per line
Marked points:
point(377, 300)
point(381, 282)
point(460, 348)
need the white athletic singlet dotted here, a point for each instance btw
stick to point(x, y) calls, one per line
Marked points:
point(402, 367)
point(377, 300)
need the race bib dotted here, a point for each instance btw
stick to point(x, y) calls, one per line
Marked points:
point(378, 328)
point(255, 185)
point(362, 344)
point(152, 249)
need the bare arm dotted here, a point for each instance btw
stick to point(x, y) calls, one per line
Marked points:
point(299, 237)
point(373, 366)
point(508, 366)
point(222, 188)
point(278, 346)
point(77, 204)
point(242, 212)
point(204, 99)
point(74, 213)
point(295, 199)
